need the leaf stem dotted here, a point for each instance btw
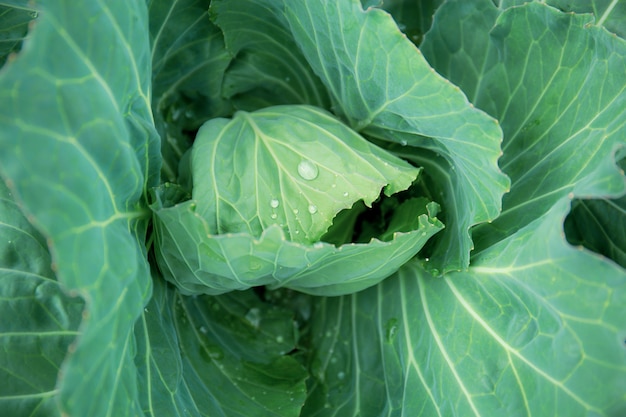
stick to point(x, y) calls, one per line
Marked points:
point(607, 12)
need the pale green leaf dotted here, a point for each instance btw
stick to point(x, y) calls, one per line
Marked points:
point(556, 83)
point(197, 261)
point(39, 321)
point(291, 166)
point(79, 163)
point(268, 68)
point(534, 327)
point(381, 84)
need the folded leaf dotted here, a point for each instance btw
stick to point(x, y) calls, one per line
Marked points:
point(291, 166)
point(268, 68)
point(534, 327)
point(198, 261)
point(381, 84)
point(563, 124)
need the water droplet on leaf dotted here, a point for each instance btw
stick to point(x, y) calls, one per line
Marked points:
point(274, 203)
point(391, 328)
point(307, 170)
point(253, 316)
point(312, 208)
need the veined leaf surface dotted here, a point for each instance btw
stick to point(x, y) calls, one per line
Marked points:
point(534, 327)
point(381, 84)
point(79, 165)
point(561, 126)
point(39, 321)
point(188, 64)
point(268, 68)
point(200, 262)
point(217, 356)
point(292, 166)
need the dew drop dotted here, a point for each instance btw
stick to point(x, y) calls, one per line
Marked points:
point(280, 339)
point(274, 203)
point(346, 194)
point(253, 316)
point(296, 211)
point(403, 142)
point(203, 330)
point(312, 208)
point(307, 170)
point(274, 215)
point(341, 375)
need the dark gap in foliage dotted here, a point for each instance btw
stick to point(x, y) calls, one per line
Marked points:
point(17, 22)
point(387, 215)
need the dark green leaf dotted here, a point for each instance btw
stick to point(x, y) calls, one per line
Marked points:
point(268, 68)
point(217, 356)
point(414, 17)
point(15, 18)
point(599, 225)
point(189, 59)
point(39, 321)
point(200, 262)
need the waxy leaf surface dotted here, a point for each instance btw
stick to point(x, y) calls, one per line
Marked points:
point(382, 85)
point(79, 163)
point(292, 166)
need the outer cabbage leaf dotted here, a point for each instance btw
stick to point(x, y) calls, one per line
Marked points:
point(39, 320)
point(608, 13)
point(534, 327)
point(78, 164)
point(268, 68)
point(293, 166)
point(381, 84)
point(557, 85)
point(197, 261)
point(189, 59)
point(217, 356)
